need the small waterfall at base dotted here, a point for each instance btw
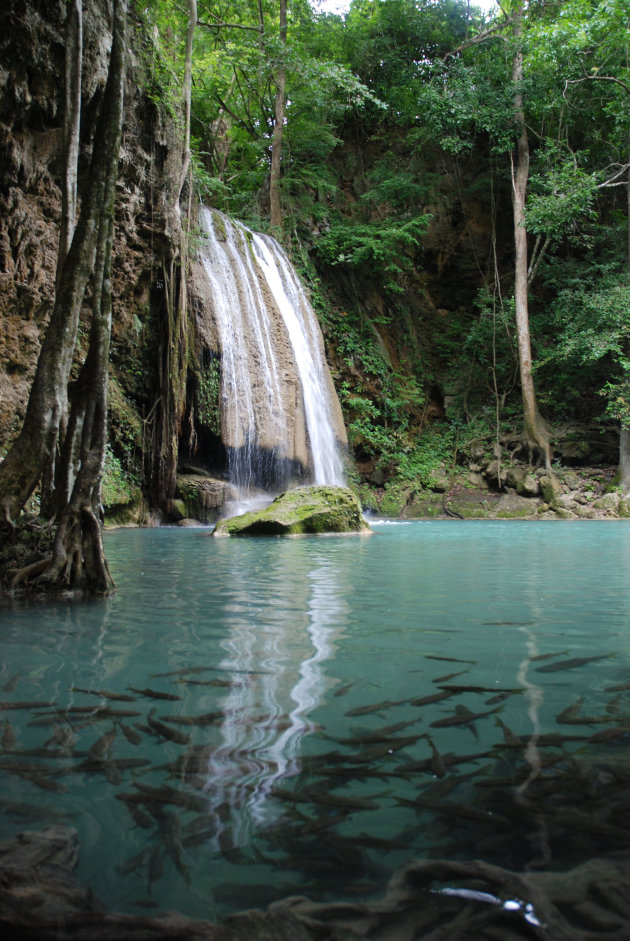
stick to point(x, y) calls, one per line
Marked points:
point(280, 417)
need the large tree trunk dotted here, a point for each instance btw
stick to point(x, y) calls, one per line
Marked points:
point(78, 561)
point(32, 451)
point(536, 430)
point(276, 141)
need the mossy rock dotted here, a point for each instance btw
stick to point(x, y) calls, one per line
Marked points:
point(395, 499)
point(305, 510)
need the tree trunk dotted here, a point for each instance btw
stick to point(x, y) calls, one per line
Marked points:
point(276, 141)
point(536, 431)
point(78, 560)
point(32, 451)
point(71, 129)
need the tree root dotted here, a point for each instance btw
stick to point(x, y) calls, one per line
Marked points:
point(34, 570)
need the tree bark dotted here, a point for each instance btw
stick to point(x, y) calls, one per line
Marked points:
point(276, 141)
point(71, 129)
point(33, 449)
point(536, 431)
point(78, 561)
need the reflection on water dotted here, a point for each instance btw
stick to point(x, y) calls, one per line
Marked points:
point(276, 681)
point(253, 718)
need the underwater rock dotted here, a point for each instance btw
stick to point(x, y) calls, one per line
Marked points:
point(315, 509)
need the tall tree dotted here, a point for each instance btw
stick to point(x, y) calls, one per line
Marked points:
point(278, 127)
point(78, 559)
point(536, 429)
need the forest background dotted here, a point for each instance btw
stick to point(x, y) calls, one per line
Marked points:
point(452, 183)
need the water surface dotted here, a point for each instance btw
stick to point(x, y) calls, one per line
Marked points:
point(296, 713)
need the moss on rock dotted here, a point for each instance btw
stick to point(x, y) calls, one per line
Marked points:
point(305, 510)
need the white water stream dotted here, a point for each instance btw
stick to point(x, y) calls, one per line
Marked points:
point(277, 400)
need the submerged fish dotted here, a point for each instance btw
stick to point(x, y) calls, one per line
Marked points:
point(461, 716)
point(571, 664)
point(29, 704)
point(448, 676)
point(449, 659)
point(104, 694)
point(10, 685)
point(375, 707)
point(102, 745)
point(154, 694)
point(166, 731)
point(435, 697)
point(8, 740)
point(512, 740)
point(132, 735)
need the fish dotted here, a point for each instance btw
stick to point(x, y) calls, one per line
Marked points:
point(448, 676)
point(344, 689)
point(438, 768)
point(452, 809)
point(104, 694)
point(171, 829)
point(617, 689)
point(96, 765)
point(169, 795)
point(571, 664)
point(208, 718)
point(40, 780)
point(31, 811)
point(229, 684)
point(341, 802)
point(460, 688)
point(510, 738)
point(8, 740)
point(375, 707)
point(380, 735)
point(154, 694)
point(10, 685)
point(64, 735)
point(507, 623)
point(132, 735)
point(29, 704)
point(500, 697)
point(155, 868)
point(103, 745)
point(449, 659)
point(182, 738)
point(461, 716)
point(435, 697)
point(547, 656)
point(134, 862)
point(607, 734)
point(450, 758)
point(383, 748)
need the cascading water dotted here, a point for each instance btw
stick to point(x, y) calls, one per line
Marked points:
point(280, 416)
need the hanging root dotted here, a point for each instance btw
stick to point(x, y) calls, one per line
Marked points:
point(32, 571)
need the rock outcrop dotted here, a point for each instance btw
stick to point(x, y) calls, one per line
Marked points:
point(306, 510)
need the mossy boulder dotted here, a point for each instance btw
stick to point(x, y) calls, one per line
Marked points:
point(301, 511)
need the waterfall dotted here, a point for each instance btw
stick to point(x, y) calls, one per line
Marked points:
point(280, 416)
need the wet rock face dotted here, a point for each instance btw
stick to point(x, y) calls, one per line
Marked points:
point(32, 41)
point(306, 510)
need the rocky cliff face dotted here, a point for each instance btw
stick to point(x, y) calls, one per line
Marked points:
point(31, 102)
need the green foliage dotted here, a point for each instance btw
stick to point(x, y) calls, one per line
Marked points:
point(561, 197)
point(591, 320)
point(384, 249)
point(433, 450)
point(207, 394)
point(116, 487)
